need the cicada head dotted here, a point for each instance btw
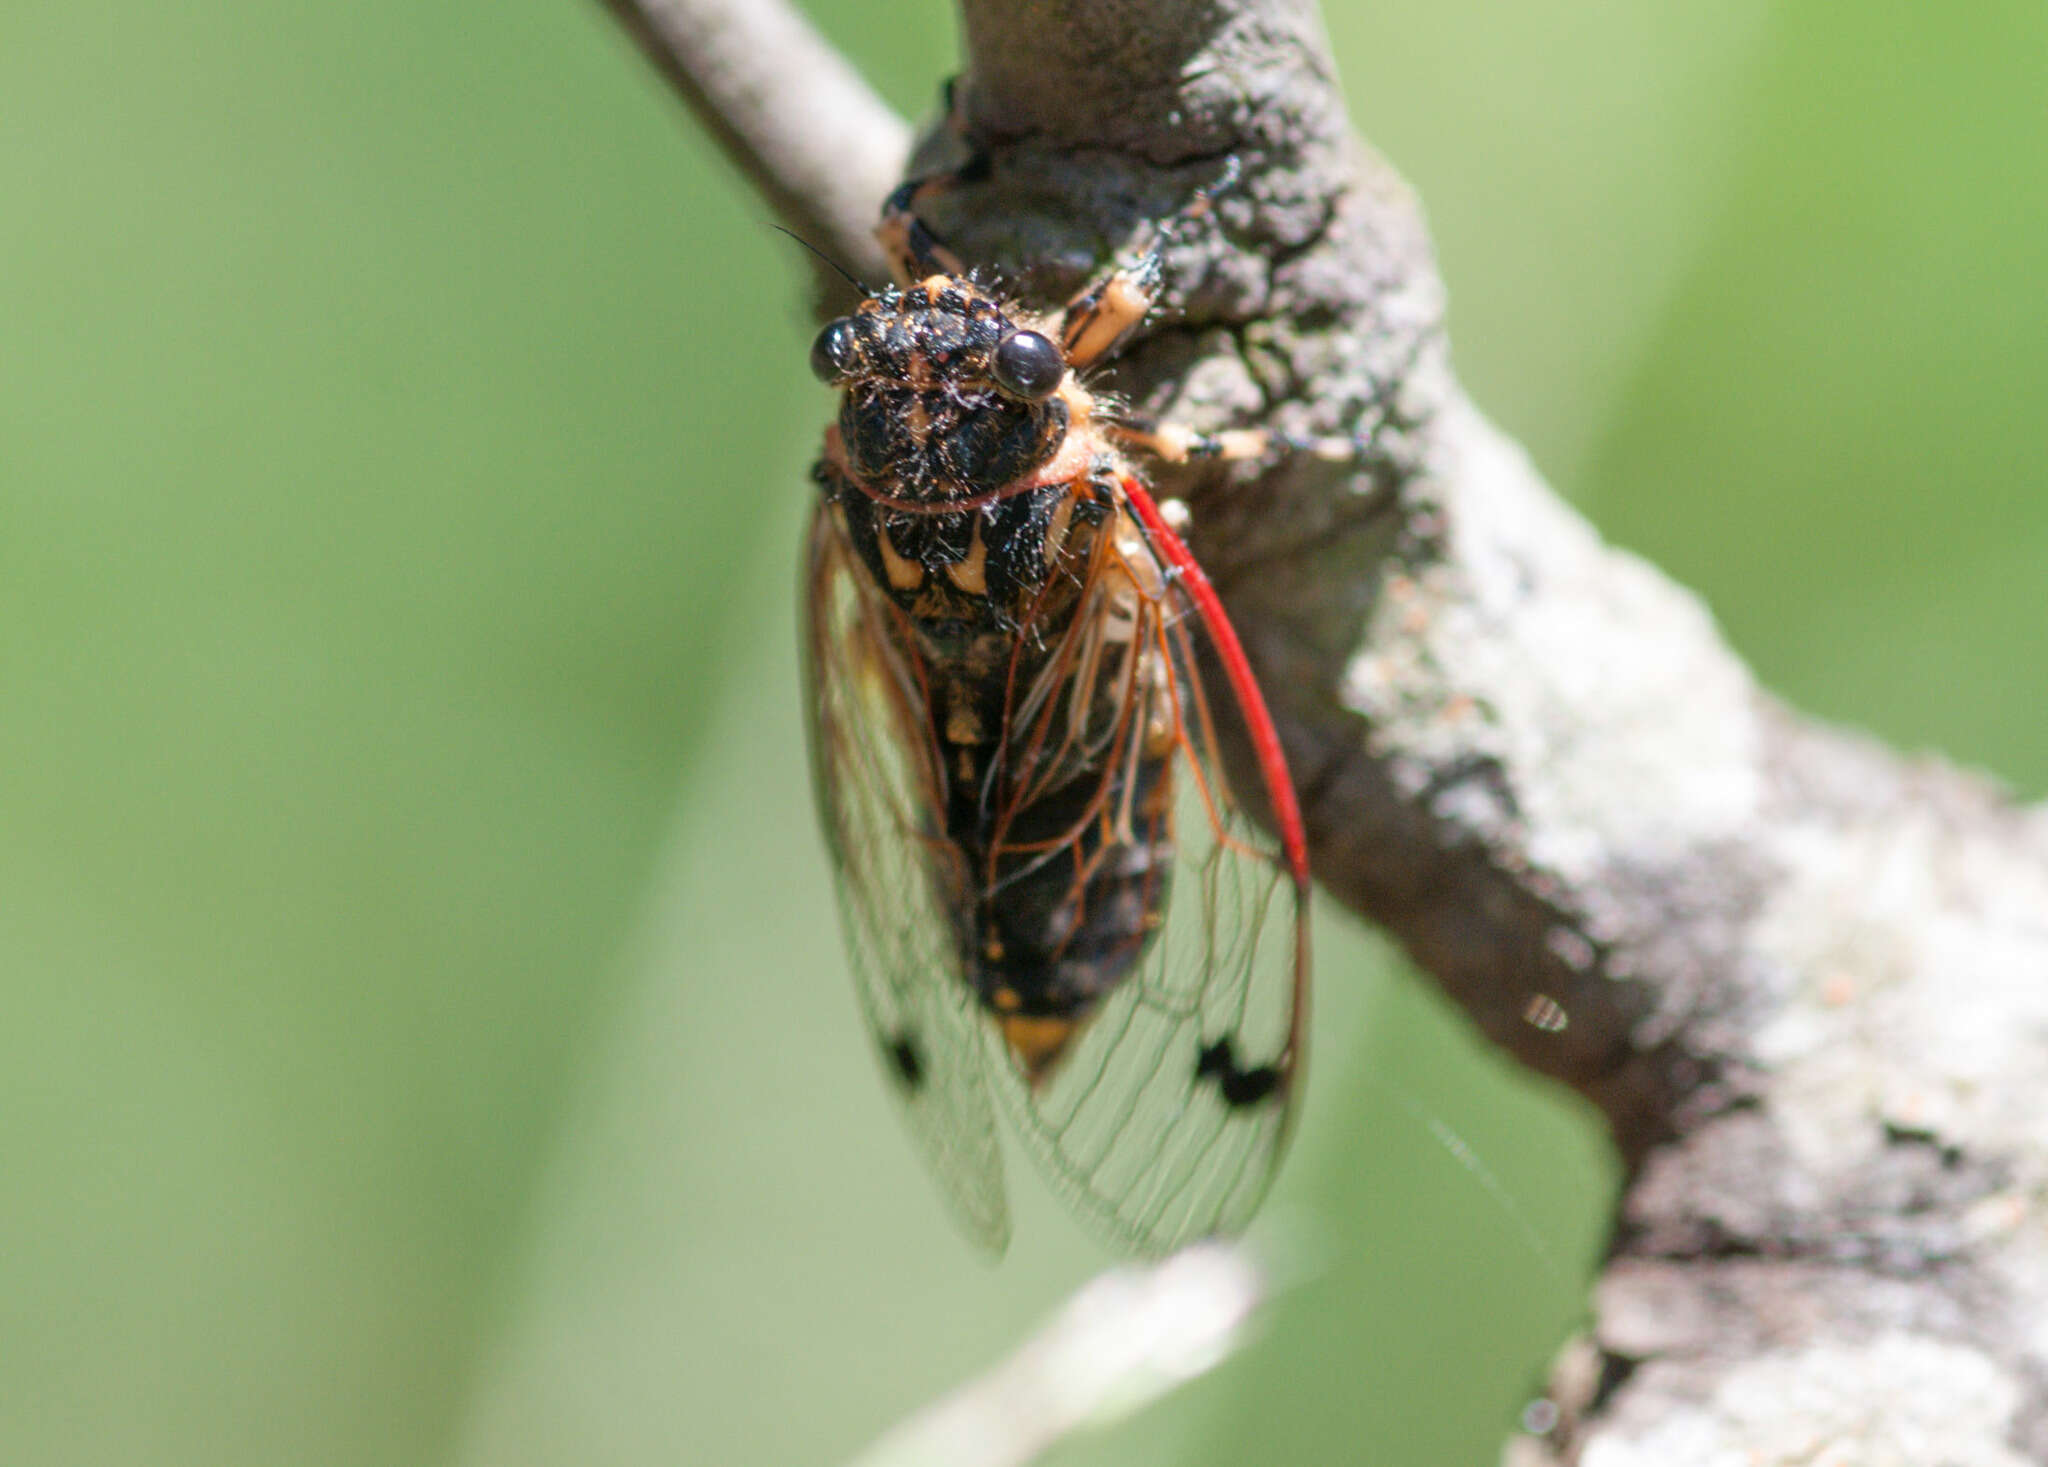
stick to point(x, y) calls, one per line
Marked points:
point(944, 396)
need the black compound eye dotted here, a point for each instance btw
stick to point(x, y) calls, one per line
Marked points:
point(835, 353)
point(1028, 365)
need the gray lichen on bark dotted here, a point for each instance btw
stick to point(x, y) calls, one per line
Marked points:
point(1804, 980)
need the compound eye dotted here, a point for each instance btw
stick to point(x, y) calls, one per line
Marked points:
point(1028, 365)
point(835, 353)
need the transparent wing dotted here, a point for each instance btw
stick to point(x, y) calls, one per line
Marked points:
point(900, 882)
point(1167, 1116)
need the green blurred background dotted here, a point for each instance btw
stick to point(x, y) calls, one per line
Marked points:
point(423, 1034)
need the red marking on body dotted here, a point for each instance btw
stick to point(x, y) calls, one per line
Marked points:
point(1063, 468)
point(1238, 668)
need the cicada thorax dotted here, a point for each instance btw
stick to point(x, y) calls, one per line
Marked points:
point(1049, 712)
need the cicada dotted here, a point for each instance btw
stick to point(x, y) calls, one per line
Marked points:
point(1055, 903)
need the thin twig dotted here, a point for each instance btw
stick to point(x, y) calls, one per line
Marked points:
point(1124, 1339)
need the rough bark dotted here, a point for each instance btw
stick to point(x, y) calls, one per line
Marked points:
point(1804, 979)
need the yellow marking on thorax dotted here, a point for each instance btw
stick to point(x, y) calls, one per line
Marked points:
point(904, 575)
point(971, 574)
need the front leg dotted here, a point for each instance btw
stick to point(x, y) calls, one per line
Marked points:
point(1175, 443)
point(1103, 314)
point(915, 252)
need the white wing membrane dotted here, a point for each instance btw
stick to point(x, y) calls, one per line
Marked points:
point(1166, 1119)
point(879, 793)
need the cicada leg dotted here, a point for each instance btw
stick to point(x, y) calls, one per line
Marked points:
point(914, 251)
point(1103, 314)
point(1176, 444)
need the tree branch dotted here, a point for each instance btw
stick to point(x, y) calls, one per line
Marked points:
point(1806, 981)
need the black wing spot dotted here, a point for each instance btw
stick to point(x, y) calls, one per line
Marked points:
point(905, 1063)
point(1240, 1088)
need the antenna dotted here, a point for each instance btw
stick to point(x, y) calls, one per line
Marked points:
point(844, 273)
